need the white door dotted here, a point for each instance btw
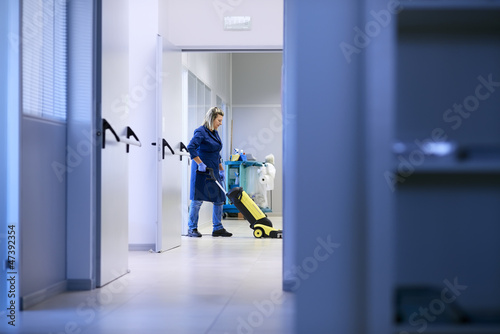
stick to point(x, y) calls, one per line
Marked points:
point(161, 229)
point(112, 232)
point(169, 116)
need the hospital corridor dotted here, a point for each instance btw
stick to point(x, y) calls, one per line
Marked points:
point(250, 166)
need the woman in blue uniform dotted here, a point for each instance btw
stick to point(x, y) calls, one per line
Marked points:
point(204, 148)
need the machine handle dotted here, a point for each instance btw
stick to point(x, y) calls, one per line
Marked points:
point(210, 172)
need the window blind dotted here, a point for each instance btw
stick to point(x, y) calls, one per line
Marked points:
point(44, 58)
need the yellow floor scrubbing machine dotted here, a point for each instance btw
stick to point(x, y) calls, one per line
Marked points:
point(261, 225)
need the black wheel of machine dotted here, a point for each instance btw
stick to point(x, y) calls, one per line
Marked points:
point(258, 232)
point(224, 215)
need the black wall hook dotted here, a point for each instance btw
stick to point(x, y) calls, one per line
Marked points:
point(131, 132)
point(107, 126)
point(183, 148)
point(165, 143)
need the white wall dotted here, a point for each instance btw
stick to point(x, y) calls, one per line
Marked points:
point(142, 91)
point(43, 208)
point(257, 116)
point(198, 24)
point(214, 69)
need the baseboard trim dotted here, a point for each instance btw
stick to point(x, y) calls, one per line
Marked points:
point(43, 294)
point(274, 214)
point(80, 284)
point(141, 247)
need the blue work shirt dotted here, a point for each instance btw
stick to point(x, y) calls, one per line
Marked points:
point(207, 145)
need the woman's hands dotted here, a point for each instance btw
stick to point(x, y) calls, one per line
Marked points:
point(202, 167)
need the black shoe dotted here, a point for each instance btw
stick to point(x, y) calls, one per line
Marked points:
point(221, 233)
point(194, 233)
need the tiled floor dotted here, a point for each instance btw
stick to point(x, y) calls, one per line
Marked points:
point(208, 285)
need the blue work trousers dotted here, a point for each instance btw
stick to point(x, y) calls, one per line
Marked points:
point(194, 210)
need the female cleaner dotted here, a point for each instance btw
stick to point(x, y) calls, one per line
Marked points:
point(204, 148)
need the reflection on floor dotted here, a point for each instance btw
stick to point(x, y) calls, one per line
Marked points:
point(208, 285)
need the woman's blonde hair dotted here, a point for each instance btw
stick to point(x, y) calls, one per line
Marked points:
point(210, 117)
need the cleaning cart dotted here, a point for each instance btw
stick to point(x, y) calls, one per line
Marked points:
point(241, 174)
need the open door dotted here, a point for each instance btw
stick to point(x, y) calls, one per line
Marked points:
point(169, 128)
point(112, 232)
point(160, 144)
